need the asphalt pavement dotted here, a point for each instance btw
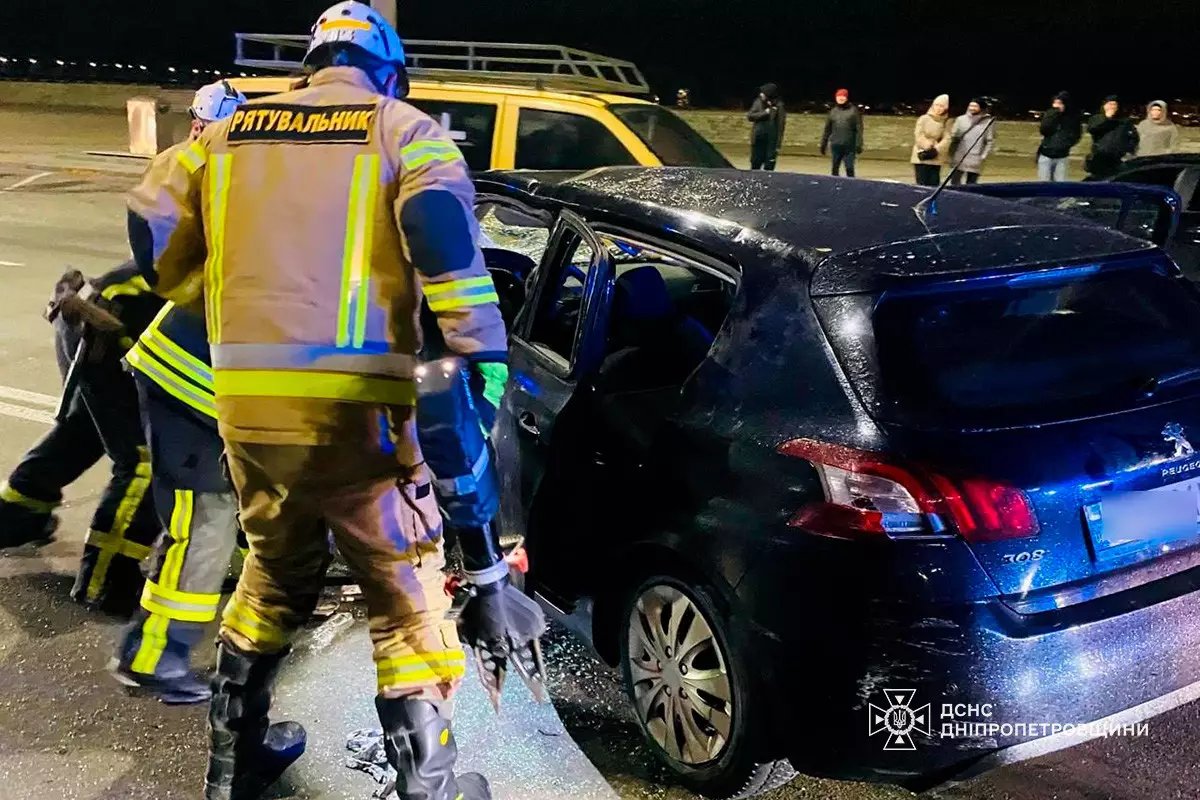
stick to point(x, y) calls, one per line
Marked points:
point(67, 732)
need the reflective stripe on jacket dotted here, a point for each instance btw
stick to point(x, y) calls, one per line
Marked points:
point(286, 218)
point(173, 353)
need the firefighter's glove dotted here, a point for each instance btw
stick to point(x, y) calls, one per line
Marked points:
point(75, 309)
point(488, 382)
point(503, 626)
point(70, 284)
point(77, 302)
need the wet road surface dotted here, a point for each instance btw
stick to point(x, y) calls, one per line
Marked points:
point(66, 731)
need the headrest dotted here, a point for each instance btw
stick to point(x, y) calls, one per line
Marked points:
point(641, 294)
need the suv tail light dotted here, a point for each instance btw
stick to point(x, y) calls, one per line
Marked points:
point(865, 494)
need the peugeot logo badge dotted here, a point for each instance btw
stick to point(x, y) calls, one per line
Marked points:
point(1173, 433)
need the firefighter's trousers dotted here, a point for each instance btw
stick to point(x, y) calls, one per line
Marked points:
point(124, 526)
point(35, 488)
point(390, 535)
point(29, 496)
point(198, 511)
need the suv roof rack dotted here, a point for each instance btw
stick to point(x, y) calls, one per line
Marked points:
point(548, 66)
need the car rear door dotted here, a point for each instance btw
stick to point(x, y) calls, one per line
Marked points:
point(1147, 212)
point(557, 339)
point(552, 135)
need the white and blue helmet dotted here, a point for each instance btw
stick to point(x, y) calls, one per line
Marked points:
point(216, 101)
point(360, 25)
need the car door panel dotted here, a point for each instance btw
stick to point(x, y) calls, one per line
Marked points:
point(542, 385)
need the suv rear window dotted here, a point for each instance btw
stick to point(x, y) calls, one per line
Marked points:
point(670, 138)
point(1035, 349)
point(551, 140)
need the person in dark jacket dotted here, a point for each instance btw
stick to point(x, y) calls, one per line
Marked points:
point(1062, 128)
point(1113, 138)
point(843, 133)
point(770, 121)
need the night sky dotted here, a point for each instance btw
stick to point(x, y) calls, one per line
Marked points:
point(880, 49)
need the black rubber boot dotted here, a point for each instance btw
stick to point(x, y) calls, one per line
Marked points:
point(421, 748)
point(246, 753)
point(173, 681)
point(20, 526)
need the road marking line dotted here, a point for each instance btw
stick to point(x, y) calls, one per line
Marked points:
point(10, 264)
point(32, 398)
point(27, 181)
point(30, 414)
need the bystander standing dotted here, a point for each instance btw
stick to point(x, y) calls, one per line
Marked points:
point(931, 150)
point(1157, 135)
point(1113, 138)
point(971, 142)
point(843, 133)
point(1062, 128)
point(770, 122)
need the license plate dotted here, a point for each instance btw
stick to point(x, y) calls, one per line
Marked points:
point(1134, 520)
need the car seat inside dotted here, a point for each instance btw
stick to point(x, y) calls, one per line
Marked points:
point(662, 323)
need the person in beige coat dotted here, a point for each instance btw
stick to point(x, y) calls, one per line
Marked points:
point(931, 149)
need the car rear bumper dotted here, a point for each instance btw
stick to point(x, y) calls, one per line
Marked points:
point(996, 688)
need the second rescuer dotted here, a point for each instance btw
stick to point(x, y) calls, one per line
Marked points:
point(322, 217)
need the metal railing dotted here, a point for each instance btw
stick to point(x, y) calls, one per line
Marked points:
point(543, 65)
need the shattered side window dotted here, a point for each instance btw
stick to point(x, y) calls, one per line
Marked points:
point(505, 228)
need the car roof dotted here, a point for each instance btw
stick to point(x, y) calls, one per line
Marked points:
point(1167, 160)
point(764, 218)
point(276, 84)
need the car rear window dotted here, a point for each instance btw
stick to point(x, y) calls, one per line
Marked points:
point(670, 138)
point(1037, 348)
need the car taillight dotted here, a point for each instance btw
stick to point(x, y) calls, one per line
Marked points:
point(866, 494)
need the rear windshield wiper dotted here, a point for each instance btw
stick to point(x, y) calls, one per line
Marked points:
point(1168, 379)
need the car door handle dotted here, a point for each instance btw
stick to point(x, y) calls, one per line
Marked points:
point(527, 422)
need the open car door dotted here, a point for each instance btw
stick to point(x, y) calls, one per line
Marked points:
point(1147, 212)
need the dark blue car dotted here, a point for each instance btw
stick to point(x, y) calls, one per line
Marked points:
point(874, 492)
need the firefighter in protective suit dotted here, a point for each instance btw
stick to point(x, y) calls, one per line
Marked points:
point(323, 217)
point(195, 502)
point(98, 415)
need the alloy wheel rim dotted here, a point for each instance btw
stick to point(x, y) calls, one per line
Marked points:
point(680, 677)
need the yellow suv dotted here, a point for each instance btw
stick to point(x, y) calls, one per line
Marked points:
point(573, 117)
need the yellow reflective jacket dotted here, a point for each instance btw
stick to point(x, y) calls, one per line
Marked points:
point(293, 207)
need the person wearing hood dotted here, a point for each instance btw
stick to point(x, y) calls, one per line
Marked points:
point(770, 121)
point(931, 150)
point(1157, 135)
point(1061, 129)
point(971, 142)
point(843, 132)
point(1113, 138)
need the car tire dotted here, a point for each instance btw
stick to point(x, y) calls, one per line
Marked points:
point(704, 686)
